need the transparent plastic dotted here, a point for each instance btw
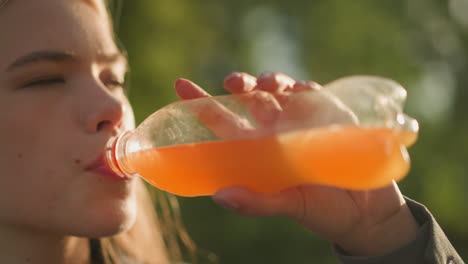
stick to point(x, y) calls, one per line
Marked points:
point(351, 134)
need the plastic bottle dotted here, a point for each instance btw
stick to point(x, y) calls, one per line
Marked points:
point(351, 134)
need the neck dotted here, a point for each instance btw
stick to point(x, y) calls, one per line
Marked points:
point(19, 246)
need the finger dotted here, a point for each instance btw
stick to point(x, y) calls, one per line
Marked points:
point(301, 86)
point(216, 117)
point(249, 203)
point(263, 107)
point(274, 82)
point(239, 82)
point(186, 90)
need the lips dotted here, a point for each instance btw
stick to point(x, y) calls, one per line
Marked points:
point(100, 167)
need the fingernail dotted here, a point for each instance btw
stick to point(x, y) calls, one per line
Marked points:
point(189, 90)
point(227, 204)
point(233, 75)
point(234, 80)
point(238, 82)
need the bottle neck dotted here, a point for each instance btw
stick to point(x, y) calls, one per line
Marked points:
point(116, 154)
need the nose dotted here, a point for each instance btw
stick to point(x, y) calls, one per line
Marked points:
point(104, 111)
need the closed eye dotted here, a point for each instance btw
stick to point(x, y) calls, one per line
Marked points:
point(45, 81)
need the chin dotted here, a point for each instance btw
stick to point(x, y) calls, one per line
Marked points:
point(107, 221)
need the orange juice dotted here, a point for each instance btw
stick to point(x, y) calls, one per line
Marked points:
point(347, 157)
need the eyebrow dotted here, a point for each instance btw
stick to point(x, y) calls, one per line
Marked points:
point(60, 56)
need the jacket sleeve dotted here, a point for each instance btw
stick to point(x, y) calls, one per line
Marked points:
point(430, 246)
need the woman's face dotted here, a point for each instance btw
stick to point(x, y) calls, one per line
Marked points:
point(61, 100)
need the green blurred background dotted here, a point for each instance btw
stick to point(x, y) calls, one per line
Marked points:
point(423, 44)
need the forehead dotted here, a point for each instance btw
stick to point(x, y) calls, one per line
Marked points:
point(81, 27)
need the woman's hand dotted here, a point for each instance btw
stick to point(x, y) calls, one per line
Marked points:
point(361, 222)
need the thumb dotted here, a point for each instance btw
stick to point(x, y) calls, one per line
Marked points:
point(250, 203)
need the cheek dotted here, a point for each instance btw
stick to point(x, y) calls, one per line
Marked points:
point(31, 171)
point(29, 184)
point(29, 194)
point(41, 183)
point(32, 141)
